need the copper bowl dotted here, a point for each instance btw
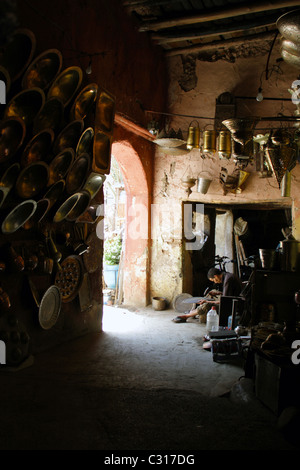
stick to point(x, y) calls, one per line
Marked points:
point(69, 136)
point(50, 116)
point(32, 179)
point(12, 134)
point(84, 102)
point(55, 192)
point(78, 173)
point(18, 53)
point(102, 153)
point(43, 70)
point(60, 165)
point(85, 143)
point(26, 105)
point(66, 84)
point(18, 216)
point(39, 148)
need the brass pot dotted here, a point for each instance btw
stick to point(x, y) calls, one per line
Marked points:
point(224, 144)
point(26, 105)
point(66, 84)
point(32, 179)
point(78, 173)
point(18, 216)
point(69, 136)
point(209, 141)
point(60, 165)
point(84, 102)
point(43, 70)
point(18, 53)
point(288, 25)
point(12, 135)
point(39, 148)
point(50, 116)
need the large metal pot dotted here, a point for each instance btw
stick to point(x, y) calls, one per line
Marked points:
point(66, 84)
point(78, 173)
point(60, 165)
point(26, 105)
point(290, 255)
point(69, 136)
point(32, 179)
point(39, 148)
point(18, 216)
point(84, 102)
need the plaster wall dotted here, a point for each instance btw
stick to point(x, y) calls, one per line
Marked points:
point(241, 77)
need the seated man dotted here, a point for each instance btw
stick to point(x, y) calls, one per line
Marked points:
point(232, 286)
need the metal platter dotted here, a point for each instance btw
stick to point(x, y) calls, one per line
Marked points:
point(78, 173)
point(178, 304)
point(18, 216)
point(85, 144)
point(66, 84)
point(50, 307)
point(84, 102)
point(18, 53)
point(43, 70)
point(105, 111)
point(12, 134)
point(32, 179)
point(101, 153)
point(69, 278)
point(26, 105)
point(50, 116)
point(39, 148)
point(60, 165)
point(69, 136)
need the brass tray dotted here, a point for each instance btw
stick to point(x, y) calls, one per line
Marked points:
point(69, 278)
point(43, 70)
point(101, 153)
point(84, 102)
point(66, 84)
point(105, 111)
point(49, 308)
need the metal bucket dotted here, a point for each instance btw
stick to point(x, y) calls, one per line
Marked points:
point(159, 303)
point(290, 255)
point(267, 258)
point(203, 185)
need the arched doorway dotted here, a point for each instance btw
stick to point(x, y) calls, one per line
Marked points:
point(137, 228)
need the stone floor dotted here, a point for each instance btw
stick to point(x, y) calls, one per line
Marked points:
point(144, 383)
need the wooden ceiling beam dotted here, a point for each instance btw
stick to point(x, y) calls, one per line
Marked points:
point(219, 13)
point(220, 44)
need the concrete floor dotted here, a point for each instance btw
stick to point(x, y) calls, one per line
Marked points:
point(144, 383)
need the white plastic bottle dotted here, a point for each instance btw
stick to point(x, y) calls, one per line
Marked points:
point(212, 320)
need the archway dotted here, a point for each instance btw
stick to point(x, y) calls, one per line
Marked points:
point(137, 229)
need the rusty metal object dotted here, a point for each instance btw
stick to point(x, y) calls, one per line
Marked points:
point(43, 70)
point(60, 165)
point(50, 116)
point(39, 148)
point(18, 53)
point(32, 179)
point(84, 102)
point(69, 136)
point(78, 173)
point(12, 135)
point(66, 84)
point(25, 105)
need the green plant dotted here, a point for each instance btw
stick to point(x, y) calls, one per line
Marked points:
point(112, 251)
